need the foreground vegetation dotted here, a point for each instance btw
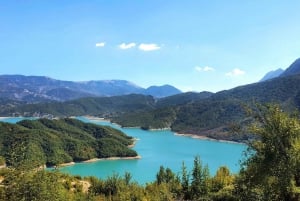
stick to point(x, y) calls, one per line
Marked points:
point(271, 171)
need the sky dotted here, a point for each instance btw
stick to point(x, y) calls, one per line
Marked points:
point(195, 45)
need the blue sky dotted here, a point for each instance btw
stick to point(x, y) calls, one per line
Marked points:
point(194, 45)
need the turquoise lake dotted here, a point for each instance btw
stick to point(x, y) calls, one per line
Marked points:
point(160, 148)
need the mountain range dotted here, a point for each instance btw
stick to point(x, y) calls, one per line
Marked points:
point(204, 113)
point(43, 89)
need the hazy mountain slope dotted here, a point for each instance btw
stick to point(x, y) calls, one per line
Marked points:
point(293, 69)
point(272, 74)
point(41, 89)
point(161, 91)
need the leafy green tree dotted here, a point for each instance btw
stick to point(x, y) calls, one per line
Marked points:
point(222, 179)
point(271, 171)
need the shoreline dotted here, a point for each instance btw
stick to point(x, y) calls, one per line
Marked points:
point(92, 160)
point(201, 137)
point(133, 143)
point(160, 129)
point(93, 118)
point(112, 158)
point(194, 136)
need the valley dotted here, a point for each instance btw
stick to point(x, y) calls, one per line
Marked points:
point(214, 115)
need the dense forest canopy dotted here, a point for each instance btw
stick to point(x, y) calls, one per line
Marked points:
point(53, 142)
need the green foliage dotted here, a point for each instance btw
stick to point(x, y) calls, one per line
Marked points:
point(203, 113)
point(185, 183)
point(222, 179)
point(30, 144)
point(200, 178)
point(52, 185)
point(33, 185)
point(156, 119)
point(271, 171)
point(103, 106)
point(2, 160)
point(214, 115)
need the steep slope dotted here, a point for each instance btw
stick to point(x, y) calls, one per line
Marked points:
point(215, 115)
point(54, 142)
point(272, 74)
point(293, 69)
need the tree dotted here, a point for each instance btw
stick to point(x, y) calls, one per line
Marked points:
point(161, 175)
point(185, 183)
point(222, 179)
point(33, 185)
point(200, 177)
point(271, 171)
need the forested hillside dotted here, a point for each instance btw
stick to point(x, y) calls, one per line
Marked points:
point(202, 113)
point(52, 142)
point(217, 114)
point(269, 172)
point(98, 106)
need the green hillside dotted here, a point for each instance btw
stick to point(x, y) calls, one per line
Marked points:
point(215, 115)
point(53, 142)
point(269, 172)
point(204, 113)
point(99, 106)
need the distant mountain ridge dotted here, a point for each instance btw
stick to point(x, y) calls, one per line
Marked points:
point(293, 69)
point(41, 89)
point(161, 91)
point(272, 74)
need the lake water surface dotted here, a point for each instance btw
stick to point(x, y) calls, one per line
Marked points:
point(160, 148)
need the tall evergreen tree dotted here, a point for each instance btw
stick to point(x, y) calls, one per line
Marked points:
point(185, 183)
point(200, 176)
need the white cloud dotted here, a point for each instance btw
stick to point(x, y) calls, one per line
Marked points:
point(235, 72)
point(102, 44)
point(204, 69)
point(125, 46)
point(149, 47)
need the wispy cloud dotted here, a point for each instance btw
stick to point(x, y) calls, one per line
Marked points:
point(235, 72)
point(125, 46)
point(204, 69)
point(149, 47)
point(102, 44)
